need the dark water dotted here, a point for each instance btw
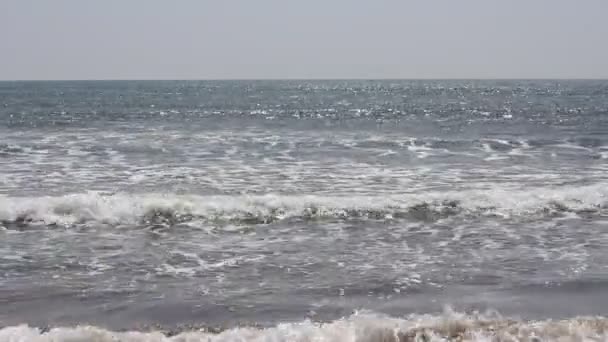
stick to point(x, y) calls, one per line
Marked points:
point(131, 204)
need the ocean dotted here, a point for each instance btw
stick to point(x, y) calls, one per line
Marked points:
point(304, 210)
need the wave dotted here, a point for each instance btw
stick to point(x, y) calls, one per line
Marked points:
point(360, 327)
point(115, 209)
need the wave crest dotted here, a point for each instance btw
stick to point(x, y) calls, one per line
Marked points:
point(359, 327)
point(165, 209)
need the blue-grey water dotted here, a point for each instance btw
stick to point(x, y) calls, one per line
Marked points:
point(368, 205)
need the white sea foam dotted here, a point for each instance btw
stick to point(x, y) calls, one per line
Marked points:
point(361, 327)
point(135, 208)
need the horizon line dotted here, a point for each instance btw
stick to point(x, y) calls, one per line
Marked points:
point(313, 79)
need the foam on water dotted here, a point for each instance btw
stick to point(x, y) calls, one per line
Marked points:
point(166, 208)
point(360, 327)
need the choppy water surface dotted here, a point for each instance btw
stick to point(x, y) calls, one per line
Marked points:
point(169, 207)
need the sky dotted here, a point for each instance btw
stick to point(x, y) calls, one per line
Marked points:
point(261, 39)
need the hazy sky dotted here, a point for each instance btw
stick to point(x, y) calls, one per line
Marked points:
point(216, 39)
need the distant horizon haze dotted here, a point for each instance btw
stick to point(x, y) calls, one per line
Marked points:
point(275, 40)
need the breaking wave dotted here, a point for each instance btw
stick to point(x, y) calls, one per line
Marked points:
point(127, 209)
point(361, 327)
